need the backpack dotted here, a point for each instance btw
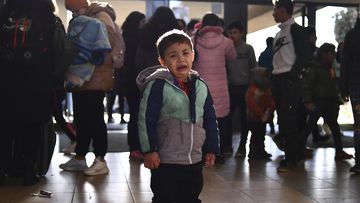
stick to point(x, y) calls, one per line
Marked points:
point(21, 37)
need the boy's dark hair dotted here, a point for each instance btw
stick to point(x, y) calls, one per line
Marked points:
point(171, 37)
point(210, 19)
point(286, 4)
point(191, 24)
point(269, 41)
point(236, 25)
point(325, 48)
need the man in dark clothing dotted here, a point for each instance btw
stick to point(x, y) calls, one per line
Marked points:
point(291, 54)
point(350, 83)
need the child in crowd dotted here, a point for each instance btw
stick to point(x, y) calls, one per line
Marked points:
point(260, 107)
point(177, 122)
point(238, 73)
point(321, 97)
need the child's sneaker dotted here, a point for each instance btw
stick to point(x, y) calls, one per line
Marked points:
point(70, 149)
point(355, 169)
point(343, 155)
point(136, 155)
point(99, 167)
point(74, 165)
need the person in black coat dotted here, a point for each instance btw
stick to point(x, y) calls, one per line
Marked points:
point(26, 83)
point(133, 23)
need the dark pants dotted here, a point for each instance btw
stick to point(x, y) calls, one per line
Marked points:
point(258, 131)
point(355, 102)
point(89, 121)
point(287, 92)
point(177, 183)
point(133, 99)
point(303, 115)
point(237, 100)
point(225, 135)
point(110, 100)
point(328, 109)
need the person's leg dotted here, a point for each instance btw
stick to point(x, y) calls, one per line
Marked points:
point(121, 100)
point(355, 102)
point(164, 183)
point(257, 146)
point(242, 113)
point(59, 96)
point(234, 101)
point(81, 120)
point(110, 99)
point(329, 111)
point(286, 92)
point(223, 125)
point(191, 184)
point(133, 137)
point(97, 123)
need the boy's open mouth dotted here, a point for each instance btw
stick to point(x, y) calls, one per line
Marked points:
point(180, 68)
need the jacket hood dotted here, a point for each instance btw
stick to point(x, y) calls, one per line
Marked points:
point(151, 73)
point(96, 7)
point(157, 72)
point(210, 36)
point(257, 78)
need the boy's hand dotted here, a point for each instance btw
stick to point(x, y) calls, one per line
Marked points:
point(152, 160)
point(209, 160)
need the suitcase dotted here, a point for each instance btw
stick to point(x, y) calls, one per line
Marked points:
point(46, 151)
point(44, 156)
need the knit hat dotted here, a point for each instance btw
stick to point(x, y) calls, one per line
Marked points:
point(74, 5)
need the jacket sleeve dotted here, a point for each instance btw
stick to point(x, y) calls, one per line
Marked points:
point(302, 50)
point(211, 144)
point(308, 85)
point(149, 114)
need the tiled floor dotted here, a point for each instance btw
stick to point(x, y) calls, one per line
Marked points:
point(321, 179)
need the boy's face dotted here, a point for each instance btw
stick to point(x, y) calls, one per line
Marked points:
point(178, 58)
point(235, 35)
point(329, 56)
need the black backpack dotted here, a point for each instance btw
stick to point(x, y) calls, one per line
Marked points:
point(21, 37)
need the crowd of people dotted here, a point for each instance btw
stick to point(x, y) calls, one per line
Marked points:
point(185, 85)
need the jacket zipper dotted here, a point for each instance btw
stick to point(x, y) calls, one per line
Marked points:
point(191, 141)
point(192, 126)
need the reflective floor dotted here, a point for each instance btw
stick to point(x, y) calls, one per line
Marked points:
point(321, 179)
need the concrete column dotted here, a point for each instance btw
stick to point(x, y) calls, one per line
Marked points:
point(236, 10)
point(311, 14)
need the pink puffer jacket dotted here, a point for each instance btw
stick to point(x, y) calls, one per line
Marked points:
point(214, 49)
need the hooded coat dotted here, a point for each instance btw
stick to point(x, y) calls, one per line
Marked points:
point(214, 50)
point(177, 126)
